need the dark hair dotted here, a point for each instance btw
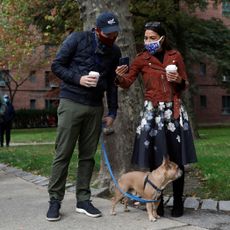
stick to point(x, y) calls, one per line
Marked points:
point(158, 27)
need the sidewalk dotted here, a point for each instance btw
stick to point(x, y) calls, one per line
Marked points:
point(24, 203)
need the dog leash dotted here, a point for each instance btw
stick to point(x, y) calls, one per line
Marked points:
point(132, 197)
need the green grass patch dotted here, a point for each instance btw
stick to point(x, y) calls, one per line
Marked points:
point(33, 135)
point(213, 150)
point(37, 159)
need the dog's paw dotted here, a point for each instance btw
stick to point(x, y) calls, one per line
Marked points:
point(113, 213)
point(137, 203)
point(155, 215)
point(152, 218)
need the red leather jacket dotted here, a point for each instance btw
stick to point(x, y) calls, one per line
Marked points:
point(157, 88)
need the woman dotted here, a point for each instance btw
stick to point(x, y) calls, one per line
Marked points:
point(164, 128)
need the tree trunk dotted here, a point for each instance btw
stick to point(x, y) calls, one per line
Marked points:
point(118, 145)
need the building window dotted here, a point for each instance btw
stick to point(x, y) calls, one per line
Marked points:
point(202, 69)
point(32, 76)
point(48, 50)
point(2, 79)
point(225, 79)
point(51, 103)
point(203, 101)
point(226, 8)
point(226, 105)
point(47, 80)
point(32, 104)
point(50, 80)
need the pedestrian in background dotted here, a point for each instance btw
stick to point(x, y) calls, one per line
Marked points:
point(86, 64)
point(6, 124)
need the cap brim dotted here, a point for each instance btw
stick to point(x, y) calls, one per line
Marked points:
point(110, 29)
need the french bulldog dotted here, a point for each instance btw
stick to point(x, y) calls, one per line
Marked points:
point(147, 185)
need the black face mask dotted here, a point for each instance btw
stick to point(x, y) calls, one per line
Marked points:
point(102, 48)
point(106, 41)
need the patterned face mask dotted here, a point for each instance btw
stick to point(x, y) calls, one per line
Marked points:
point(153, 47)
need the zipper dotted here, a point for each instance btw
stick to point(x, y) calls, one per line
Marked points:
point(164, 88)
point(163, 83)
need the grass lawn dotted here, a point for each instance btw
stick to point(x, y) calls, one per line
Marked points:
point(33, 135)
point(213, 150)
point(37, 159)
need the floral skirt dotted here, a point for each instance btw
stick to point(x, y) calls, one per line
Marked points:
point(159, 134)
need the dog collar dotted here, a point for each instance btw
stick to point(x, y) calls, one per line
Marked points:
point(151, 183)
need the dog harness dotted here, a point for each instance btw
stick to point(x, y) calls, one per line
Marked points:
point(132, 197)
point(151, 183)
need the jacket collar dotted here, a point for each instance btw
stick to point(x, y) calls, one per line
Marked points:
point(147, 55)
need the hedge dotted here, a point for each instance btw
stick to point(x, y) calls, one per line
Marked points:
point(35, 118)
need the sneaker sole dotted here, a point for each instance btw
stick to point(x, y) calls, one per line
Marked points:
point(53, 219)
point(80, 210)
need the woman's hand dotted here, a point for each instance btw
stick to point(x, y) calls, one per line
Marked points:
point(173, 77)
point(121, 70)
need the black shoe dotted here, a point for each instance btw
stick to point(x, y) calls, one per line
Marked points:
point(87, 208)
point(178, 209)
point(53, 212)
point(160, 208)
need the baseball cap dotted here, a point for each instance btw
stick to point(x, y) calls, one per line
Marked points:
point(107, 22)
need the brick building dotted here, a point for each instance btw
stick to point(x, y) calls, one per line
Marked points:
point(36, 91)
point(212, 103)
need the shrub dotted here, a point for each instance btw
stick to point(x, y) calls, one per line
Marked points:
point(34, 118)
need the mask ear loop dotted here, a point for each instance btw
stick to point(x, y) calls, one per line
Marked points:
point(98, 29)
point(161, 38)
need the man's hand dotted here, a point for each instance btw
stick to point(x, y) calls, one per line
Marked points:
point(108, 121)
point(88, 81)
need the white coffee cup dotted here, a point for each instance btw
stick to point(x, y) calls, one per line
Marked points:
point(171, 68)
point(96, 75)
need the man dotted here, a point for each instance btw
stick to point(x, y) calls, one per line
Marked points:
point(7, 119)
point(81, 108)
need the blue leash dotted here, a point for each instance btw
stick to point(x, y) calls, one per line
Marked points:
point(132, 197)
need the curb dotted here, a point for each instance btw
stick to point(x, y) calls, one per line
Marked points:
point(189, 202)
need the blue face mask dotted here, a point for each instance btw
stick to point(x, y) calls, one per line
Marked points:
point(152, 47)
point(6, 100)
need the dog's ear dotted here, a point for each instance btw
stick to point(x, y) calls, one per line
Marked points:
point(165, 159)
point(163, 162)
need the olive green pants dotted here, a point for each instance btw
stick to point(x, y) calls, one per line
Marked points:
point(76, 123)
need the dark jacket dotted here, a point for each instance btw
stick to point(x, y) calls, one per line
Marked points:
point(2, 109)
point(78, 56)
point(9, 113)
point(157, 88)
